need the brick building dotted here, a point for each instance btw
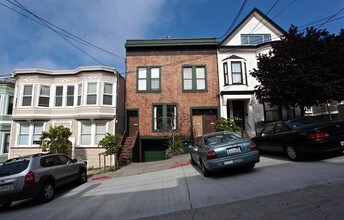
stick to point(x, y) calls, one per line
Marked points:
point(171, 85)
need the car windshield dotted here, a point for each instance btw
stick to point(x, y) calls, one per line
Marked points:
point(220, 138)
point(305, 122)
point(11, 168)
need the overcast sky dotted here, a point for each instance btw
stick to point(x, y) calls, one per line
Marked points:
point(107, 24)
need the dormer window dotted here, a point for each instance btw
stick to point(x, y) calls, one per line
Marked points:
point(234, 71)
point(255, 39)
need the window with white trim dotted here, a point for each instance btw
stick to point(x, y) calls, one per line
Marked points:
point(58, 96)
point(91, 98)
point(70, 95)
point(27, 95)
point(92, 133)
point(79, 94)
point(255, 39)
point(29, 134)
point(44, 96)
point(225, 73)
point(107, 94)
point(236, 72)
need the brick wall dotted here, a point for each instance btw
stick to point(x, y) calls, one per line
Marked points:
point(171, 63)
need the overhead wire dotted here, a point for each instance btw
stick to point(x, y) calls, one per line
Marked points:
point(59, 31)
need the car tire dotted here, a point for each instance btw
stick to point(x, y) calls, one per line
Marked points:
point(47, 192)
point(192, 160)
point(82, 176)
point(205, 172)
point(250, 166)
point(293, 153)
point(5, 205)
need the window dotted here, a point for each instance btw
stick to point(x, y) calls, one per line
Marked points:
point(10, 105)
point(91, 93)
point(194, 78)
point(44, 96)
point(92, 133)
point(272, 113)
point(236, 72)
point(100, 132)
point(107, 95)
point(225, 73)
point(164, 117)
point(70, 96)
point(86, 133)
point(37, 132)
point(27, 95)
point(254, 39)
point(6, 143)
point(29, 134)
point(79, 94)
point(148, 79)
point(58, 96)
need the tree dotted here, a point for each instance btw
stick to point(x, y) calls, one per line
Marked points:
point(111, 143)
point(56, 139)
point(224, 124)
point(303, 69)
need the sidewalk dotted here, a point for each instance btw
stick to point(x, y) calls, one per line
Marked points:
point(140, 168)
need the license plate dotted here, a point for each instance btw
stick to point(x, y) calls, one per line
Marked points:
point(234, 150)
point(228, 162)
point(6, 187)
point(342, 143)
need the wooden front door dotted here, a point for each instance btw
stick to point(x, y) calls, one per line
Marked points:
point(203, 121)
point(133, 122)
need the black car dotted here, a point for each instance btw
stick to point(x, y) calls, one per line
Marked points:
point(300, 136)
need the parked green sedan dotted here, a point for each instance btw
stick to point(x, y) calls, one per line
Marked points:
point(216, 151)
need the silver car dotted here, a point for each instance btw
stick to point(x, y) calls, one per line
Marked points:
point(37, 176)
point(216, 151)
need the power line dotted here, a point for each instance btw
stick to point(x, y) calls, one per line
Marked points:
point(331, 17)
point(235, 19)
point(61, 32)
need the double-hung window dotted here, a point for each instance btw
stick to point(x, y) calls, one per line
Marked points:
point(92, 133)
point(79, 94)
point(107, 94)
point(225, 73)
point(148, 79)
point(236, 72)
point(164, 117)
point(29, 134)
point(10, 105)
point(58, 96)
point(91, 98)
point(70, 95)
point(194, 78)
point(44, 96)
point(27, 95)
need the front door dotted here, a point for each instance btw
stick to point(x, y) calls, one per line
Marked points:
point(203, 121)
point(133, 122)
point(239, 114)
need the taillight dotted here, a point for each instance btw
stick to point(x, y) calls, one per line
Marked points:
point(319, 135)
point(253, 146)
point(29, 178)
point(211, 154)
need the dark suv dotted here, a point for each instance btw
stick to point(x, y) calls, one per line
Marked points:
point(37, 176)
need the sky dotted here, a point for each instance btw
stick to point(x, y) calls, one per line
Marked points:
point(95, 31)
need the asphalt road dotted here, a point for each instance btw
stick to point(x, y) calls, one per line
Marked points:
point(276, 189)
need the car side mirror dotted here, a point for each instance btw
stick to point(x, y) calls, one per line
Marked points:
point(75, 160)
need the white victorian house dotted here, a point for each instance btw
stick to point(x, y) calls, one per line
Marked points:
point(237, 57)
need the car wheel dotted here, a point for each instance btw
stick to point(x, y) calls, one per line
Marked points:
point(192, 160)
point(205, 172)
point(82, 176)
point(250, 166)
point(5, 205)
point(292, 153)
point(47, 192)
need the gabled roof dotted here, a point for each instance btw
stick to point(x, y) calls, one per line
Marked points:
point(261, 16)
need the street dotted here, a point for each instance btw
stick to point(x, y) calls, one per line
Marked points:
point(275, 189)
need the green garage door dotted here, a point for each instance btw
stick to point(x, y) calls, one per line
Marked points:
point(154, 155)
